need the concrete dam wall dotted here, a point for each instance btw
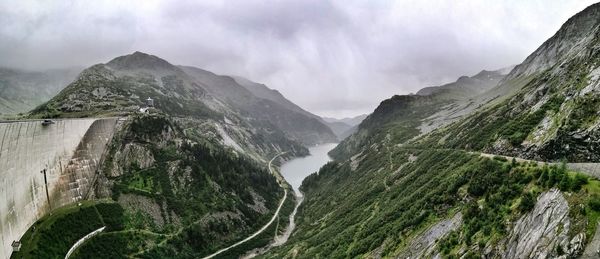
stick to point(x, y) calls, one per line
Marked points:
point(69, 151)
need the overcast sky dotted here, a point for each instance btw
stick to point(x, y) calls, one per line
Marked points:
point(332, 58)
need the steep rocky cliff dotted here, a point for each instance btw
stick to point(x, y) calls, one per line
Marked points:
point(544, 231)
point(414, 164)
point(554, 114)
point(166, 174)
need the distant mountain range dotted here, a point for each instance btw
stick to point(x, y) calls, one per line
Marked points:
point(21, 90)
point(344, 127)
point(350, 121)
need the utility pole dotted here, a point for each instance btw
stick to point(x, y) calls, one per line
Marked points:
point(46, 183)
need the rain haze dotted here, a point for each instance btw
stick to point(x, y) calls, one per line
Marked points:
point(333, 58)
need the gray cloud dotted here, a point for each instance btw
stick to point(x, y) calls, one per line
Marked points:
point(335, 58)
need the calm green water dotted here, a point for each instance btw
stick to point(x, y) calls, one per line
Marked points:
point(295, 170)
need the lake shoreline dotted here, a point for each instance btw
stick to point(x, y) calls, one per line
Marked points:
point(294, 171)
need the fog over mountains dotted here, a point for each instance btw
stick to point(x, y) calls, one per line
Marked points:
point(21, 90)
point(332, 58)
point(416, 129)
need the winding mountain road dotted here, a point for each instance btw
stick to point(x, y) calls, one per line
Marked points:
point(275, 215)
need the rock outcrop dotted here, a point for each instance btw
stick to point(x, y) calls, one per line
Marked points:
point(132, 153)
point(423, 246)
point(543, 232)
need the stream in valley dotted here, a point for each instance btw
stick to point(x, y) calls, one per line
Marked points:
point(294, 171)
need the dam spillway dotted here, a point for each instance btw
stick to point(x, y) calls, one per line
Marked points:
point(69, 151)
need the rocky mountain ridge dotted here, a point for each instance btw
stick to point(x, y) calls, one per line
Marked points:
point(407, 116)
point(121, 86)
point(346, 126)
point(297, 123)
point(466, 86)
point(552, 116)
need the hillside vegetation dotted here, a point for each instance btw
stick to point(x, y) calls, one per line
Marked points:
point(397, 202)
point(168, 192)
point(412, 183)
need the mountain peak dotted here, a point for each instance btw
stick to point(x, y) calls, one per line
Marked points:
point(573, 38)
point(139, 60)
point(486, 74)
point(463, 79)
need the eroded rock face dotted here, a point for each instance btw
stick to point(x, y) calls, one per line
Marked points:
point(423, 246)
point(540, 233)
point(132, 153)
point(137, 203)
point(259, 203)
